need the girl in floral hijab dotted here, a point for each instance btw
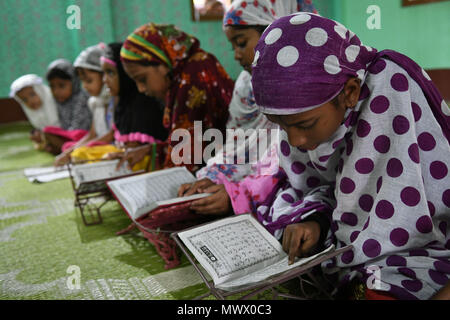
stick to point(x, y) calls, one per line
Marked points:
point(169, 64)
point(365, 137)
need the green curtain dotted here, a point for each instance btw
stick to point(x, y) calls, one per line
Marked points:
point(34, 32)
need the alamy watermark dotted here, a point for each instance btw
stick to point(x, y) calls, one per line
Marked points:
point(374, 282)
point(374, 20)
point(249, 146)
point(74, 19)
point(73, 281)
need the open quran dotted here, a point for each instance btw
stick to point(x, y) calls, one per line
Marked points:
point(141, 194)
point(98, 171)
point(238, 252)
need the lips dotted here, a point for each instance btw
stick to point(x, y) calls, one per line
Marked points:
point(314, 147)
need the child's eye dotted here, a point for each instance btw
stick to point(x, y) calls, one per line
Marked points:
point(242, 45)
point(306, 127)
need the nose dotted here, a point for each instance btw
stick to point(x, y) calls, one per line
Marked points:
point(141, 88)
point(237, 55)
point(297, 139)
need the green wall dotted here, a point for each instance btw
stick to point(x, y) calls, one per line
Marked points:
point(34, 32)
point(421, 32)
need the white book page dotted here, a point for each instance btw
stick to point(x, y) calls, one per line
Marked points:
point(183, 199)
point(43, 170)
point(46, 174)
point(232, 247)
point(140, 194)
point(102, 170)
point(49, 176)
point(274, 269)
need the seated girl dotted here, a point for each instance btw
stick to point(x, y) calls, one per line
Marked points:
point(168, 64)
point(137, 118)
point(243, 25)
point(71, 101)
point(365, 135)
point(37, 103)
point(88, 68)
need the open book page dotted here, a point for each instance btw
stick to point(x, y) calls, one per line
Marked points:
point(269, 271)
point(46, 174)
point(96, 171)
point(232, 247)
point(142, 193)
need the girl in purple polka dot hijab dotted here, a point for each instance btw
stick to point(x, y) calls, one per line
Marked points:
point(365, 137)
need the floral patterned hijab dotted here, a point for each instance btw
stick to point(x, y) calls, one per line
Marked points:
point(200, 90)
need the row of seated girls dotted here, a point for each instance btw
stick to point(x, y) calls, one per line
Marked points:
point(362, 151)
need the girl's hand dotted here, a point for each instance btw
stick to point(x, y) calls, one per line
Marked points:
point(188, 189)
point(131, 156)
point(216, 204)
point(35, 136)
point(62, 159)
point(300, 238)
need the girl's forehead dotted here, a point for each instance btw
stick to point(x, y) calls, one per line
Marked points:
point(108, 66)
point(25, 91)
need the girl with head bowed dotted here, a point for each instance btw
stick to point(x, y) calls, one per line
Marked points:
point(365, 143)
point(168, 64)
point(243, 24)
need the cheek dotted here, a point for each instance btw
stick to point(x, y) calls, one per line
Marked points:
point(248, 54)
point(114, 83)
point(99, 83)
point(68, 92)
point(37, 101)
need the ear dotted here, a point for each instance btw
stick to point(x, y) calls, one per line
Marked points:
point(351, 91)
point(163, 69)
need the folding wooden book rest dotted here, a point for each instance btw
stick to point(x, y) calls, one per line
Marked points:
point(87, 192)
point(270, 283)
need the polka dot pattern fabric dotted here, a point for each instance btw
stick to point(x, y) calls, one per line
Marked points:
point(387, 165)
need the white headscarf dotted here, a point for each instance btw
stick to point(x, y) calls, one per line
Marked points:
point(47, 114)
point(98, 105)
point(263, 12)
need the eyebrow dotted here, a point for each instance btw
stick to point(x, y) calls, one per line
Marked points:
point(298, 122)
point(237, 36)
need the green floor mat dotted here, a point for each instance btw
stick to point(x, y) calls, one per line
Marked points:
point(47, 253)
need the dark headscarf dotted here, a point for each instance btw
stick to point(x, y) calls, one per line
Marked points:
point(74, 112)
point(135, 112)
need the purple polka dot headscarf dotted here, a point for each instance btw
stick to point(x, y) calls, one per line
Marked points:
point(383, 176)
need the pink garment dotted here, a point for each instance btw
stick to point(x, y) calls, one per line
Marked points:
point(256, 187)
point(253, 188)
point(71, 135)
point(134, 136)
point(70, 144)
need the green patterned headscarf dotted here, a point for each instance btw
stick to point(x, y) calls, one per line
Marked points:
point(158, 43)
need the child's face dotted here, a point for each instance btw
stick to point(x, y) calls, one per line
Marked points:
point(111, 78)
point(309, 129)
point(92, 81)
point(30, 98)
point(151, 80)
point(243, 42)
point(61, 89)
